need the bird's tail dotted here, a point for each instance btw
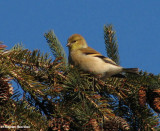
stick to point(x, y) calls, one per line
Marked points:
point(131, 70)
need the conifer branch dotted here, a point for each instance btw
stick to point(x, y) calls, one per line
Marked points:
point(98, 107)
point(111, 43)
point(55, 46)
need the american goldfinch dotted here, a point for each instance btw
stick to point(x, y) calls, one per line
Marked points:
point(88, 59)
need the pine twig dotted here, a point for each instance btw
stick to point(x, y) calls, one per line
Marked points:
point(55, 46)
point(111, 43)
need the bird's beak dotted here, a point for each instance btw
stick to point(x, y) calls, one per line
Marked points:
point(68, 44)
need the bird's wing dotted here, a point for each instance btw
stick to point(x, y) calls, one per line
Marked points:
point(91, 52)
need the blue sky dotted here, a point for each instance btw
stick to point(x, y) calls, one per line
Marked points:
point(137, 25)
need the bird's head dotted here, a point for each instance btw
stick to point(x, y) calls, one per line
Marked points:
point(76, 41)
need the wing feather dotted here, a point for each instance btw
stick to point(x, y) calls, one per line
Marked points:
point(91, 52)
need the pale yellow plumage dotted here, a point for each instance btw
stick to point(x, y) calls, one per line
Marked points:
point(90, 60)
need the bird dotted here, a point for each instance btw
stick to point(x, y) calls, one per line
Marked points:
point(90, 60)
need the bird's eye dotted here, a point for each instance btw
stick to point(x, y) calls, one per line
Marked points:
point(74, 41)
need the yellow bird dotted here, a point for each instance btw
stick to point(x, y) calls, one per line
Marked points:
point(88, 59)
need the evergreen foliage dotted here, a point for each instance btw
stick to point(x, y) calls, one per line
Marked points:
point(55, 46)
point(60, 97)
point(111, 43)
